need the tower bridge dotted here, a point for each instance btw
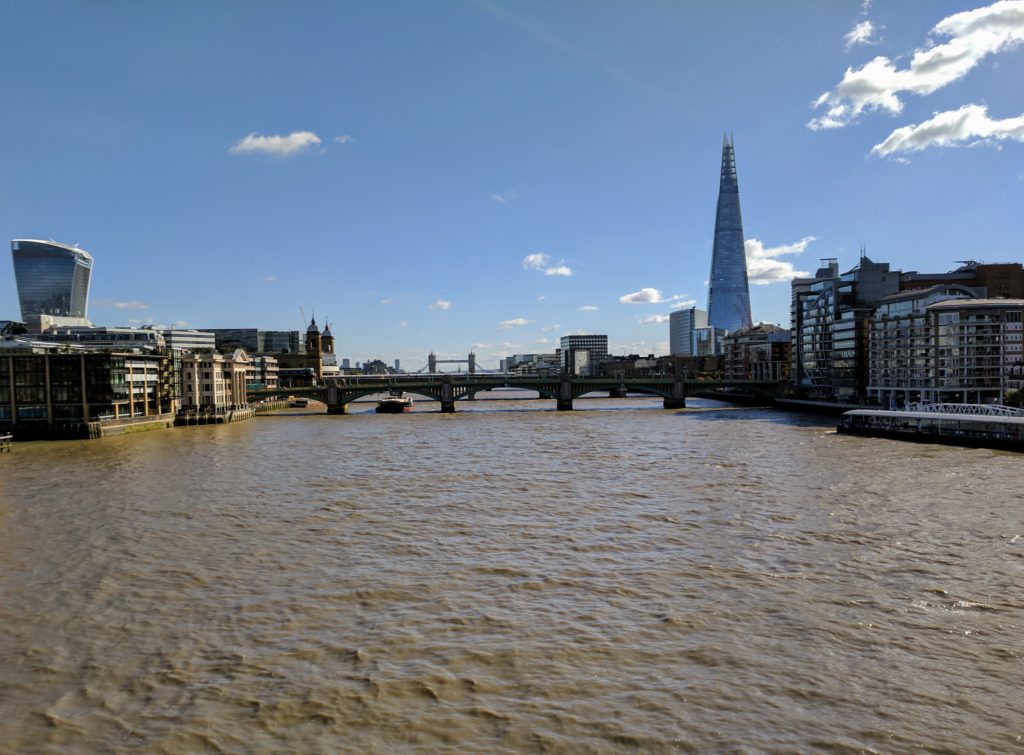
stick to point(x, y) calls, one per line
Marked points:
point(338, 393)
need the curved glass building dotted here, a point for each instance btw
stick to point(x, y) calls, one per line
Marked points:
point(52, 278)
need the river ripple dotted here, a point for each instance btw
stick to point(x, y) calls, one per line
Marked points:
point(511, 579)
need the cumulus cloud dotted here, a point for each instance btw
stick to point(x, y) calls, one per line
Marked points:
point(441, 304)
point(967, 126)
point(860, 34)
point(972, 36)
point(765, 267)
point(643, 296)
point(542, 262)
point(502, 197)
point(654, 320)
point(278, 146)
point(518, 322)
point(588, 308)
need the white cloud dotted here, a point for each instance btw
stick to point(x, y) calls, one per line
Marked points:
point(441, 304)
point(343, 139)
point(541, 297)
point(389, 300)
point(654, 320)
point(403, 323)
point(588, 308)
point(279, 146)
point(543, 340)
point(270, 278)
point(643, 296)
point(763, 265)
point(550, 328)
point(502, 197)
point(518, 322)
point(860, 34)
point(179, 324)
point(129, 305)
point(972, 36)
point(507, 345)
point(684, 304)
point(969, 125)
point(540, 261)
point(480, 346)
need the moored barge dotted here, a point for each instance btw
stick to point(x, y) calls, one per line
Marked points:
point(983, 425)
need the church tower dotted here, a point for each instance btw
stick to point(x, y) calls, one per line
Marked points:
point(313, 342)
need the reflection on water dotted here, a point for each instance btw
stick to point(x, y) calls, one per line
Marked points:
point(510, 578)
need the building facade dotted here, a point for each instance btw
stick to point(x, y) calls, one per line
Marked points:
point(52, 279)
point(572, 349)
point(681, 325)
point(213, 382)
point(44, 389)
point(901, 345)
point(829, 318)
point(728, 289)
point(762, 352)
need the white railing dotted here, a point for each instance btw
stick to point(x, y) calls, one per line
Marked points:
point(988, 410)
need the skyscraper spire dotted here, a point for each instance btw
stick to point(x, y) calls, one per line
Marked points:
point(728, 291)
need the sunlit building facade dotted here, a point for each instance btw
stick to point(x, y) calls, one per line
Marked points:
point(52, 278)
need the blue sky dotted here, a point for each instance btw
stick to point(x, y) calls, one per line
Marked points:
point(493, 175)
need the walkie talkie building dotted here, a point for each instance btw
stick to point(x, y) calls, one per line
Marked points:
point(728, 292)
point(52, 278)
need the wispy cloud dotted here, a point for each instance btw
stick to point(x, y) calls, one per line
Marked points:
point(441, 304)
point(684, 303)
point(542, 262)
point(502, 197)
point(403, 323)
point(588, 308)
point(765, 267)
point(654, 320)
point(972, 36)
point(278, 146)
point(123, 305)
point(518, 322)
point(389, 300)
point(179, 324)
point(551, 328)
point(270, 279)
point(343, 139)
point(862, 33)
point(643, 296)
point(970, 125)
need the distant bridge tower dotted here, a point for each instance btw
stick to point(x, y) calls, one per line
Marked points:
point(432, 363)
point(472, 363)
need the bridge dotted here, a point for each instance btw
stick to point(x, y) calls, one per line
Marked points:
point(338, 393)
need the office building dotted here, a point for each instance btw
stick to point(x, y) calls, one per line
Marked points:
point(189, 339)
point(214, 381)
point(681, 325)
point(254, 341)
point(52, 279)
point(1002, 280)
point(829, 316)
point(728, 290)
point(572, 349)
point(761, 352)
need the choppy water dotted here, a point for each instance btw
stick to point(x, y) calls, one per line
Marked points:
point(511, 579)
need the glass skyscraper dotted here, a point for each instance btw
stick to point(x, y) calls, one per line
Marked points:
point(52, 278)
point(728, 292)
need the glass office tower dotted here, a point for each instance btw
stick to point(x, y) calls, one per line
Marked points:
point(52, 278)
point(728, 293)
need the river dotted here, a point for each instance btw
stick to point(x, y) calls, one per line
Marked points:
point(511, 579)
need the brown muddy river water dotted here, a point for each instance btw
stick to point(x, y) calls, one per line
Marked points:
point(511, 579)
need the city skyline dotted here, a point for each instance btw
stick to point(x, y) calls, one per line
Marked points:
point(490, 176)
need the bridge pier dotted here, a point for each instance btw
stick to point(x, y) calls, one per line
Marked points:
point(619, 392)
point(564, 400)
point(447, 395)
point(677, 399)
point(337, 409)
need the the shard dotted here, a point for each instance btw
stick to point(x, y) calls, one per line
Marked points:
point(728, 292)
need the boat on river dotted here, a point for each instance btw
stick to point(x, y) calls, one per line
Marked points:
point(984, 425)
point(394, 403)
